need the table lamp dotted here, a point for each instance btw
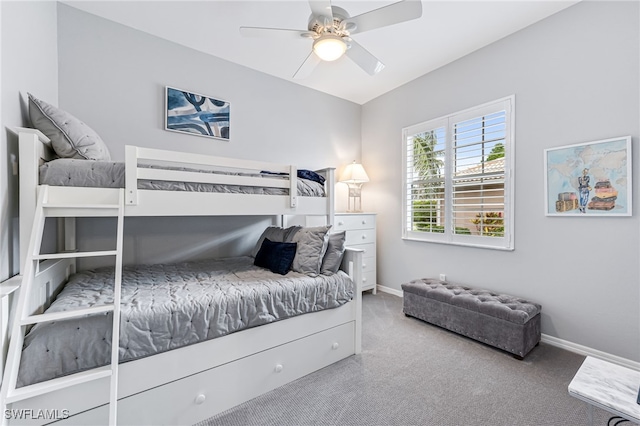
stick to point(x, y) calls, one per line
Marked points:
point(354, 176)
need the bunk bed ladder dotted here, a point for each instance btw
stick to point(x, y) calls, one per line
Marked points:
point(23, 318)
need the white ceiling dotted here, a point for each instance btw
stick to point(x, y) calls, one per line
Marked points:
point(446, 31)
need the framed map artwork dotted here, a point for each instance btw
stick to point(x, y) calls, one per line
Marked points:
point(589, 179)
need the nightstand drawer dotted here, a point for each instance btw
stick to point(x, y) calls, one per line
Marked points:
point(368, 260)
point(369, 264)
point(369, 280)
point(361, 221)
point(360, 236)
point(369, 248)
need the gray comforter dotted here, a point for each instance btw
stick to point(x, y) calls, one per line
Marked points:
point(168, 306)
point(107, 174)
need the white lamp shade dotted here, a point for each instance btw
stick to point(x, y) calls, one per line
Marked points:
point(329, 47)
point(354, 173)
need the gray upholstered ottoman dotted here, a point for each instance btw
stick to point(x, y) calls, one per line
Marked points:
point(499, 320)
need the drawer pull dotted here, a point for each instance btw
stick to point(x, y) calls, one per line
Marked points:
point(340, 223)
point(364, 237)
point(364, 222)
point(335, 346)
point(200, 399)
point(364, 265)
point(364, 279)
point(278, 368)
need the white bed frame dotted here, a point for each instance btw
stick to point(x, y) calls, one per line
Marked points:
point(189, 384)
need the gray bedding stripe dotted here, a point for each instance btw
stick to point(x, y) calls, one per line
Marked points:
point(168, 306)
point(107, 174)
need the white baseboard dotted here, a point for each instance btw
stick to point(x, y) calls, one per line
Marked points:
point(585, 350)
point(560, 343)
point(390, 290)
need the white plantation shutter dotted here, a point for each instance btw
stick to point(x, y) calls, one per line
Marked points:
point(478, 182)
point(425, 184)
point(458, 183)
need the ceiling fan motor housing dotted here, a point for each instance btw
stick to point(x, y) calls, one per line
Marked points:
point(317, 23)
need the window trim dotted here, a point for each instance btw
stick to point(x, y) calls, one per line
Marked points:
point(447, 121)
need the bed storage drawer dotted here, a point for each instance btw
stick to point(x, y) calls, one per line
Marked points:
point(205, 394)
point(220, 387)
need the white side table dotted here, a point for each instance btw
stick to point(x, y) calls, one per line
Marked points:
point(361, 233)
point(607, 386)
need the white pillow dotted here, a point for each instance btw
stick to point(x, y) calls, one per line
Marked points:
point(333, 256)
point(312, 244)
point(70, 137)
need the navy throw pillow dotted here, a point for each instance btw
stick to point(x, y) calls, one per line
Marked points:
point(302, 174)
point(311, 175)
point(276, 257)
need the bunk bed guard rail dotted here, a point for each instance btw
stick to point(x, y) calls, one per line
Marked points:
point(175, 166)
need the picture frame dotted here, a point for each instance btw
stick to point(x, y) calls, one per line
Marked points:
point(196, 114)
point(589, 179)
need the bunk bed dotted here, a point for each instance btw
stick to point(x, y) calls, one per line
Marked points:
point(196, 381)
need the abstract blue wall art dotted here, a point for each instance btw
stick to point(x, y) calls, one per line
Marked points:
point(196, 114)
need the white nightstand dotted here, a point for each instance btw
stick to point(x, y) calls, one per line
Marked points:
point(361, 234)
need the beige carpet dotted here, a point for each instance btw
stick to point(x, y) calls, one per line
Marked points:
point(413, 373)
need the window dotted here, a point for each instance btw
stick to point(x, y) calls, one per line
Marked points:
point(458, 184)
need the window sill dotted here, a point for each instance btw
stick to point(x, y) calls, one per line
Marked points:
point(456, 243)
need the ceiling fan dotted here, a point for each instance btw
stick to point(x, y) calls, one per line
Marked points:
point(331, 27)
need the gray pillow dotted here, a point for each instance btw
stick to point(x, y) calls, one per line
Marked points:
point(277, 235)
point(70, 137)
point(312, 245)
point(333, 257)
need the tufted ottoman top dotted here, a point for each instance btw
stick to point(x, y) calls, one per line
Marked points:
point(508, 308)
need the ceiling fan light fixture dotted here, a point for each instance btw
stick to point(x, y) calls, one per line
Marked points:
point(329, 47)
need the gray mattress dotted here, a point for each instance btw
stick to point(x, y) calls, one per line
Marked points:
point(169, 306)
point(107, 174)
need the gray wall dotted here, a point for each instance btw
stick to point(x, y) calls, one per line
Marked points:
point(575, 78)
point(113, 78)
point(29, 63)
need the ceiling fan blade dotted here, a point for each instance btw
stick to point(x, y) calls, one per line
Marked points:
point(273, 32)
point(388, 15)
point(364, 59)
point(321, 8)
point(307, 66)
